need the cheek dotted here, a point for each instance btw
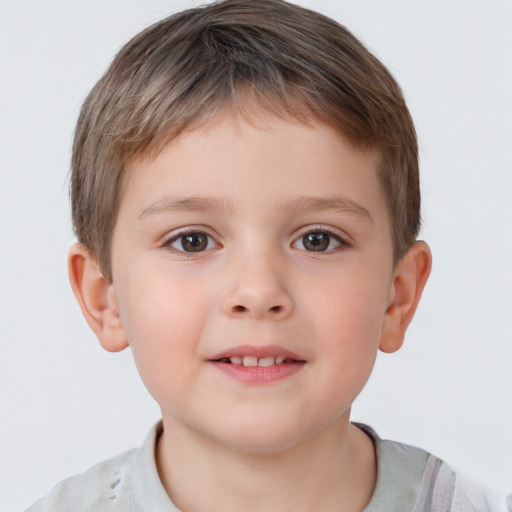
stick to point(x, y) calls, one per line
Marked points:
point(347, 323)
point(160, 306)
point(162, 320)
point(349, 348)
point(351, 308)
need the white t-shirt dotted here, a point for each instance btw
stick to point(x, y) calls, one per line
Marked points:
point(408, 480)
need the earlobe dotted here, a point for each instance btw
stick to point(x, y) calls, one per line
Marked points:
point(409, 279)
point(97, 299)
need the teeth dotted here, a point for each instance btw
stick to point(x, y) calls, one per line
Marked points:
point(266, 361)
point(250, 361)
point(258, 361)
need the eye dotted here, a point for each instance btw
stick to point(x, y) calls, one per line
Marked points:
point(319, 241)
point(193, 241)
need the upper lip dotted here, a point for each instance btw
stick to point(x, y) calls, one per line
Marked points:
point(256, 351)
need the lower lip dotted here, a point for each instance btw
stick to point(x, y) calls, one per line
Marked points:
point(259, 374)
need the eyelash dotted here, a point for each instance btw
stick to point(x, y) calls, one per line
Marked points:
point(211, 243)
point(343, 243)
point(176, 237)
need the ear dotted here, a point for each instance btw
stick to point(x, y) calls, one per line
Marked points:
point(409, 279)
point(97, 299)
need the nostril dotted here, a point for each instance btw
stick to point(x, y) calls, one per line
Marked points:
point(273, 311)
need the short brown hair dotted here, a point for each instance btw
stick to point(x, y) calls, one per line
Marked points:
point(293, 62)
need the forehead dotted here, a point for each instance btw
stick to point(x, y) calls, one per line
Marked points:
point(263, 156)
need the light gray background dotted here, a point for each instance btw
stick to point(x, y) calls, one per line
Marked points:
point(65, 404)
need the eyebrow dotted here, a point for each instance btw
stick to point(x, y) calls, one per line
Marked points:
point(223, 205)
point(333, 204)
point(188, 204)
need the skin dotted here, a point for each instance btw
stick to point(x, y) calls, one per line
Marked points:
point(285, 444)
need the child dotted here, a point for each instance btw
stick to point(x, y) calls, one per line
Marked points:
point(245, 194)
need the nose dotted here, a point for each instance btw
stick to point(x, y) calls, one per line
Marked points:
point(257, 290)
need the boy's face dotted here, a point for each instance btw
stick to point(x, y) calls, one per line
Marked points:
point(238, 241)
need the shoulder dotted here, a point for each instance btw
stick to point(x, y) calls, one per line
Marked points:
point(412, 479)
point(441, 488)
point(104, 487)
point(129, 481)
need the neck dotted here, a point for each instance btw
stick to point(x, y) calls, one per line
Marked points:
point(336, 467)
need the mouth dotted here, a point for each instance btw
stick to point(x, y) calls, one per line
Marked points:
point(262, 362)
point(258, 365)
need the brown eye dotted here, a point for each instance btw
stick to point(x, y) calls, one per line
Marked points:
point(316, 241)
point(194, 242)
point(319, 241)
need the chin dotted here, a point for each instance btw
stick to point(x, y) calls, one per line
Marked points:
point(260, 438)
